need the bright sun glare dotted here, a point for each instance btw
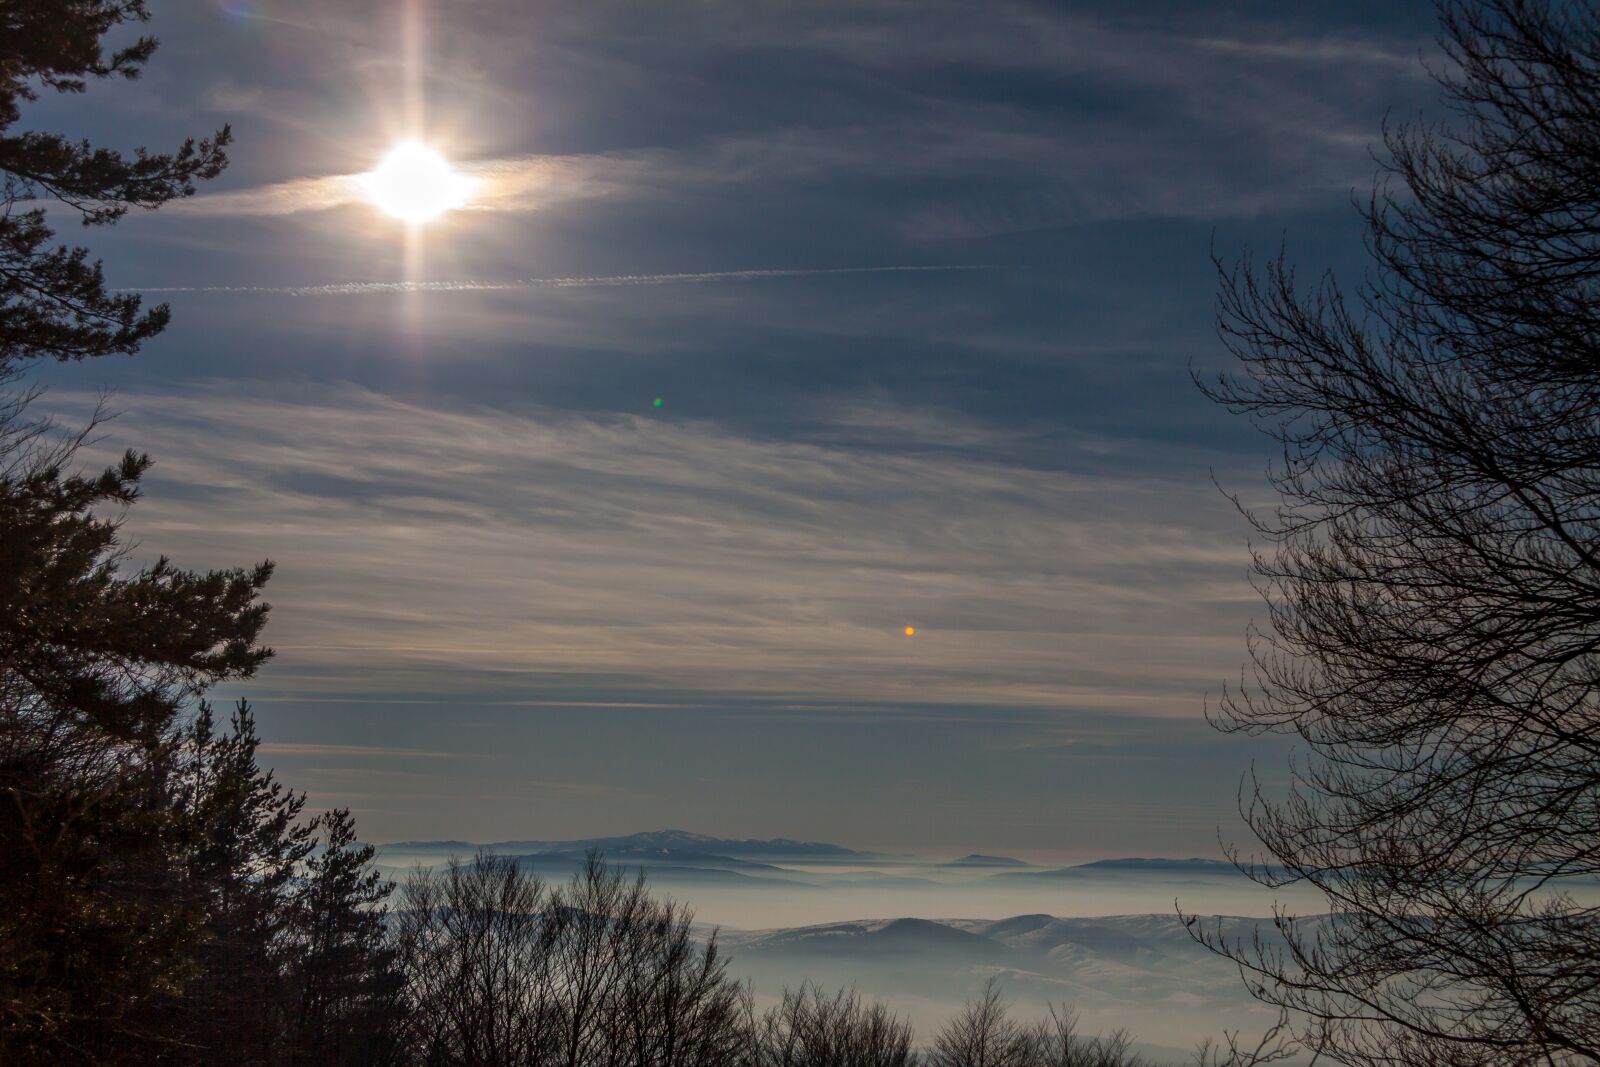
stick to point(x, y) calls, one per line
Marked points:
point(416, 184)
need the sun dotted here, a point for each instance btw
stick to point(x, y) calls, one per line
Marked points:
point(416, 184)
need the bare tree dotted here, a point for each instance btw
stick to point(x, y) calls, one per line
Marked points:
point(983, 1035)
point(1275, 1045)
point(811, 1029)
point(1057, 1043)
point(637, 988)
point(474, 943)
point(1433, 575)
point(505, 972)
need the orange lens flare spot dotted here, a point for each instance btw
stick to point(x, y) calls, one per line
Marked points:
point(911, 631)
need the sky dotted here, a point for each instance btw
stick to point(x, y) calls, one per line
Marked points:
point(602, 503)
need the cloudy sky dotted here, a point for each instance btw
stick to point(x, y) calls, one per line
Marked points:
point(918, 285)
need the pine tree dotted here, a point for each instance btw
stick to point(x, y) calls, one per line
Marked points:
point(54, 301)
point(241, 845)
point(161, 898)
point(97, 659)
point(95, 668)
point(342, 975)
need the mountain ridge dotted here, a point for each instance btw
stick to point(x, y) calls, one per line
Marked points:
point(678, 840)
point(978, 859)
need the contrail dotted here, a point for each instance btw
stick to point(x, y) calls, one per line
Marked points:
point(470, 286)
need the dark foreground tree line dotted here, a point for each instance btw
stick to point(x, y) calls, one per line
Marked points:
point(1433, 580)
point(499, 968)
point(480, 964)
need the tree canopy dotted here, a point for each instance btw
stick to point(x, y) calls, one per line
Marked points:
point(1433, 572)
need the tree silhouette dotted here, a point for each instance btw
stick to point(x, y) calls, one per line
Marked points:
point(342, 983)
point(503, 970)
point(241, 844)
point(1433, 574)
point(53, 300)
point(97, 664)
point(984, 1035)
point(808, 1028)
point(97, 660)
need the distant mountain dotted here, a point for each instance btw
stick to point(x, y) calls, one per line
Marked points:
point(678, 841)
point(884, 940)
point(1141, 971)
point(1137, 865)
point(977, 859)
point(648, 857)
point(1125, 937)
point(555, 866)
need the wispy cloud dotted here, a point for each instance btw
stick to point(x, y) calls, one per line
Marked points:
point(1329, 50)
point(604, 281)
point(319, 751)
point(534, 554)
point(279, 198)
point(1199, 154)
point(517, 183)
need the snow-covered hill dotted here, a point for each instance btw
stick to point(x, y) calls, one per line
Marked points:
point(1144, 972)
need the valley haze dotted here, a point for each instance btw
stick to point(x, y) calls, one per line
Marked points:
point(926, 933)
